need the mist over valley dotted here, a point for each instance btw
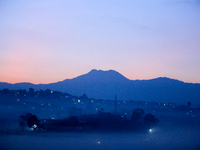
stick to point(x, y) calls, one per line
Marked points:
point(64, 115)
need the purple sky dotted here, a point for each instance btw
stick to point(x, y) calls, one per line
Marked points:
point(49, 41)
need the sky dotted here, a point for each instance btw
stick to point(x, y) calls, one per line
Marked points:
point(49, 41)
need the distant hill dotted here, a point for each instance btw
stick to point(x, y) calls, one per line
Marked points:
point(106, 84)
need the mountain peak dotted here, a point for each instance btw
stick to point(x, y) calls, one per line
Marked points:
point(103, 72)
point(95, 71)
point(102, 76)
point(105, 84)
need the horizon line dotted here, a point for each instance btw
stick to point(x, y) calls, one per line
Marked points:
point(27, 82)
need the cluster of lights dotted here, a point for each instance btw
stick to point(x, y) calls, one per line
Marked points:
point(34, 127)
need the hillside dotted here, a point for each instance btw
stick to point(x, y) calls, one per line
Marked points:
point(106, 84)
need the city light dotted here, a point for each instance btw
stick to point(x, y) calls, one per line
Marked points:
point(34, 126)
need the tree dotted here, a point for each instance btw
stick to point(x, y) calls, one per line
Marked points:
point(28, 116)
point(24, 119)
point(150, 120)
point(137, 114)
point(30, 120)
point(34, 122)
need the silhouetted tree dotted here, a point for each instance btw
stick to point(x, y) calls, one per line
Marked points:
point(28, 116)
point(33, 120)
point(150, 120)
point(137, 114)
point(23, 120)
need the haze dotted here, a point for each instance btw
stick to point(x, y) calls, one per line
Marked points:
point(178, 127)
point(49, 41)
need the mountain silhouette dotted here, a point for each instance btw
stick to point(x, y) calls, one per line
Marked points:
point(102, 76)
point(106, 84)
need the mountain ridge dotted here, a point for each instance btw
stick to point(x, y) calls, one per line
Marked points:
point(106, 84)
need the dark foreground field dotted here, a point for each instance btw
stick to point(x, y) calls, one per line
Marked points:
point(176, 139)
point(176, 130)
point(169, 134)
